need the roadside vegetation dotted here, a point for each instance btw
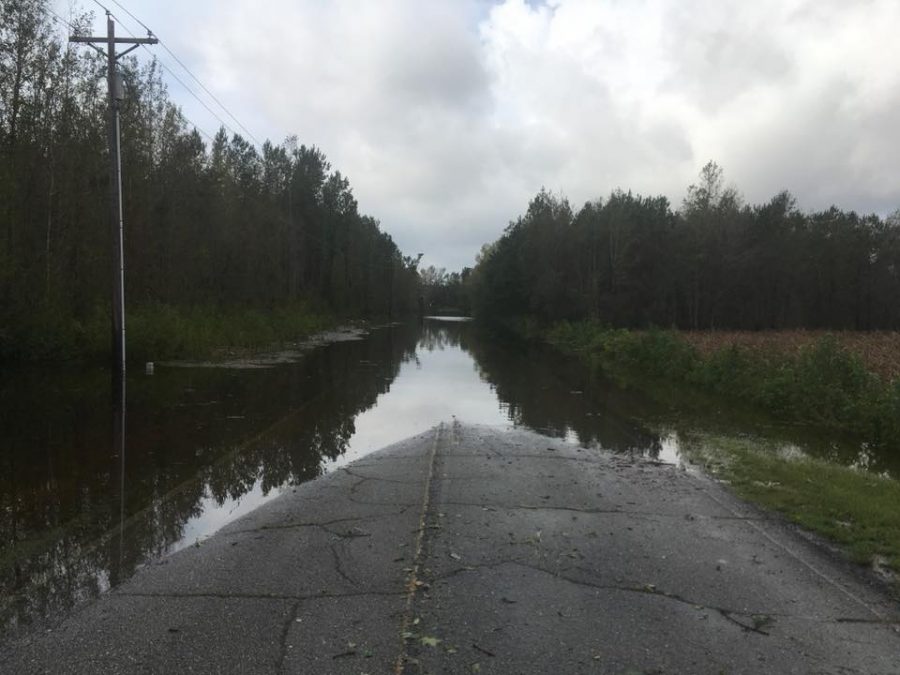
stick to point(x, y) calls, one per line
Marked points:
point(598, 281)
point(855, 509)
point(222, 235)
point(160, 332)
point(879, 351)
point(823, 381)
point(819, 382)
point(790, 313)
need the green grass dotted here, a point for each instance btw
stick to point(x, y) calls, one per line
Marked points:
point(160, 332)
point(823, 385)
point(857, 510)
point(165, 332)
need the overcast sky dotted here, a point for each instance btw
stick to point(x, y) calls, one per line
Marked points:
point(447, 116)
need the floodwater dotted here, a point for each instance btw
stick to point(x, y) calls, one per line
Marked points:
point(89, 494)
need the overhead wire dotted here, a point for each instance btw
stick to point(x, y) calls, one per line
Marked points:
point(191, 92)
point(189, 72)
point(170, 71)
point(177, 79)
point(211, 95)
point(182, 83)
point(196, 126)
point(71, 27)
point(68, 24)
point(58, 18)
point(125, 9)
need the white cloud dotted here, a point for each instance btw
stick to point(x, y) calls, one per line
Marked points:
point(447, 115)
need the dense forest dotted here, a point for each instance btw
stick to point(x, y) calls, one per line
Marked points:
point(445, 292)
point(717, 263)
point(213, 223)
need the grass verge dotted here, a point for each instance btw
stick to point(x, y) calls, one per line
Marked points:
point(160, 332)
point(821, 384)
point(857, 510)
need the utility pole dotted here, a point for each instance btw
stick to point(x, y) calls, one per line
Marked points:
point(116, 94)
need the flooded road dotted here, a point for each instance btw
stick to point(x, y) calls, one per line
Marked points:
point(83, 505)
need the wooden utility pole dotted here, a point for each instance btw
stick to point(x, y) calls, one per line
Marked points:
point(116, 94)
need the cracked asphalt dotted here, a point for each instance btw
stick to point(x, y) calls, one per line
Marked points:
point(473, 549)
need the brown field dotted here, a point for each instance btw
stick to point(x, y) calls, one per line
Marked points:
point(879, 351)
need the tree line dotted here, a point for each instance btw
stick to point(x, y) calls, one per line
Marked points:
point(716, 263)
point(445, 292)
point(207, 223)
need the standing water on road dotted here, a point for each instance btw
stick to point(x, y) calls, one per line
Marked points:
point(81, 508)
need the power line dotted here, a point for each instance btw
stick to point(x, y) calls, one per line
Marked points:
point(189, 72)
point(182, 83)
point(109, 13)
point(125, 9)
point(196, 126)
point(178, 79)
point(211, 95)
point(56, 17)
point(194, 94)
point(59, 18)
point(68, 24)
point(186, 118)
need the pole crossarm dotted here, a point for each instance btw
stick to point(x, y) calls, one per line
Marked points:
point(117, 216)
point(118, 40)
point(93, 46)
point(134, 42)
point(130, 49)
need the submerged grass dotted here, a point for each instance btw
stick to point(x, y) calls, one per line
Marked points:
point(857, 510)
point(821, 383)
point(166, 332)
point(159, 332)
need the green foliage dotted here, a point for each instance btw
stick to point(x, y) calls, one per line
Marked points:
point(631, 261)
point(824, 384)
point(225, 226)
point(48, 335)
point(166, 332)
point(835, 382)
point(160, 332)
point(853, 508)
point(445, 293)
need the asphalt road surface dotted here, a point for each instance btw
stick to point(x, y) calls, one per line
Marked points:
point(477, 550)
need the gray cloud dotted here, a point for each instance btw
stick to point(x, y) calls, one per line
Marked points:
point(448, 115)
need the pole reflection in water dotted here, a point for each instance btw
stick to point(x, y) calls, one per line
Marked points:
point(119, 443)
point(203, 446)
point(206, 445)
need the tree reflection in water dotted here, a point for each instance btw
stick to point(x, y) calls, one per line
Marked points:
point(81, 508)
point(80, 511)
point(558, 396)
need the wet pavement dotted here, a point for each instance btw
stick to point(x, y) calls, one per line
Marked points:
point(482, 549)
point(91, 492)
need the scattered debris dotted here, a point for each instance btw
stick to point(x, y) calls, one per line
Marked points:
point(482, 650)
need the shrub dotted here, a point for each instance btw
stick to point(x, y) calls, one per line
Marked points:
point(823, 383)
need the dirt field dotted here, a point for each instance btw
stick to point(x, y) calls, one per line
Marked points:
point(880, 351)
